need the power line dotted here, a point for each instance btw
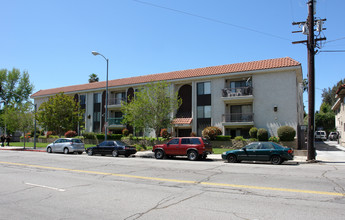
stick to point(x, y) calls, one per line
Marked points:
point(212, 19)
point(342, 38)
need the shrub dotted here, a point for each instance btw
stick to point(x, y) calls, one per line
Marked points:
point(70, 134)
point(49, 133)
point(54, 136)
point(253, 132)
point(211, 132)
point(223, 138)
point(286, 133)
point(100, 136)
point(239, 138)
point(115, 136)
point(274, 139)
point(262, 134)
point(125, 132)
point(42, 137)
point(89, 135)
point(164, 133)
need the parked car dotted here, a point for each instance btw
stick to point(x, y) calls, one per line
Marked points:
point(114, 148)
point(193, 147)
point(66, 145)
point(320, 135)
point(260, 151)
point(333, 136)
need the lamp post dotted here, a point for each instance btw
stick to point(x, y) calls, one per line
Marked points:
point(106, 95)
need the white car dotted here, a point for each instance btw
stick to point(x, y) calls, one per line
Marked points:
point(320, 135)
point(66, 145)
point(333, 136)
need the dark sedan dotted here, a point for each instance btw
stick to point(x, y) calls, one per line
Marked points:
point(114, 148)
point(260, 151)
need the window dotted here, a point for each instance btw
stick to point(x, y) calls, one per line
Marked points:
point(252, 146)
point(185, 141)
point(174, 141)
point(204, 88)
point(195, 141)
point(266, 146)
point(82, 101)
point(204, 111)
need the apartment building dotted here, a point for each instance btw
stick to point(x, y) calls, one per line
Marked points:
point(234, 97)
point(339, 108)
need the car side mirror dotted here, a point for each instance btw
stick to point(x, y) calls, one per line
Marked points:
point(97, 145)
point(245, 149)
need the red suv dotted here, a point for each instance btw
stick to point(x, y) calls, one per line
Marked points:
point(194, 147)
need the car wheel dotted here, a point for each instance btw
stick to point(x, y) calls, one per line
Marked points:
point(115, 153)
point(65, 150)
point(232, 158)
point(49, 150)
point(127, 155)
point(276, 160)
point(159, 154)
point(80, 152)
point(192, 155)
point(89, 152)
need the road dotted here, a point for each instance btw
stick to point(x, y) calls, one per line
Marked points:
point(56, 186)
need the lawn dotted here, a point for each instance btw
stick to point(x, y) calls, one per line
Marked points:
point(44, 145)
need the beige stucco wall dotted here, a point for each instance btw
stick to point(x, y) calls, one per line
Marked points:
point(340, 122)
point(275, 89)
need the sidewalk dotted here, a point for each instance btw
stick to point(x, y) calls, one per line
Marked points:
point(300, 156)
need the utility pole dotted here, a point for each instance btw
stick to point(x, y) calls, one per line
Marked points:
point(308, 29)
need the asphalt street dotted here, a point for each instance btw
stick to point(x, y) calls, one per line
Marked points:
point(36, 185)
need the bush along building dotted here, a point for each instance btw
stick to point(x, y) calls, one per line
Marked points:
point(234, 97)
point(339, 108)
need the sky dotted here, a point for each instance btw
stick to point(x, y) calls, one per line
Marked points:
point(53, 40)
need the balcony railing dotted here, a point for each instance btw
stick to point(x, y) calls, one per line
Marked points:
point(238, 117)
point(238, 91)
point(183, 114)
point(115, 121)
point(116, 101)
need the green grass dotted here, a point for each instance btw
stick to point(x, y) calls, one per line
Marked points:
point(220, 150)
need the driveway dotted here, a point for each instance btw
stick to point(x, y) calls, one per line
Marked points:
point(330, 152)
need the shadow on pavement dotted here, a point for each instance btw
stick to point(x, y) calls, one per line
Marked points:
point(321, 146)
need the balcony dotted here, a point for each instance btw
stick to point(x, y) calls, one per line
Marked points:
point(238, 94)
point(116, 122)
point(238, 120)
point(115, 103)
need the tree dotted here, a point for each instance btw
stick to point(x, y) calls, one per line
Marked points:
point(325, 118)
point(15, 87)
point(328, 95)
point(151, 107)
point(60, 114)
point(18, 118)
point(93, 78)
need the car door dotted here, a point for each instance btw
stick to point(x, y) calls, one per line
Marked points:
point(249, 152)
point(172, 146)
point(57, 145)
point(264, 151)
point(184, 146)
point(100, 149)
point(109, 147)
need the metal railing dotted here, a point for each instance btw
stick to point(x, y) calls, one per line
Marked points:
point(238, 117)
point(183, 114)
point(238, 91)
point(115, 121)
point(116, 101)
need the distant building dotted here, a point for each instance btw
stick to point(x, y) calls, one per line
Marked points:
point(234, 97)
point(339, 108)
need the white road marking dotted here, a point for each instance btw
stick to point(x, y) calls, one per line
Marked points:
point(47, 187)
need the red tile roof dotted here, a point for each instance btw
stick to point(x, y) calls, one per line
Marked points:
point(206, 71)
point(182, 121)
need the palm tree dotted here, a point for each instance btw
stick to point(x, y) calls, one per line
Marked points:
point(93, 78)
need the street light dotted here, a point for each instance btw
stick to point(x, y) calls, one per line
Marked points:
point(106, 95)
